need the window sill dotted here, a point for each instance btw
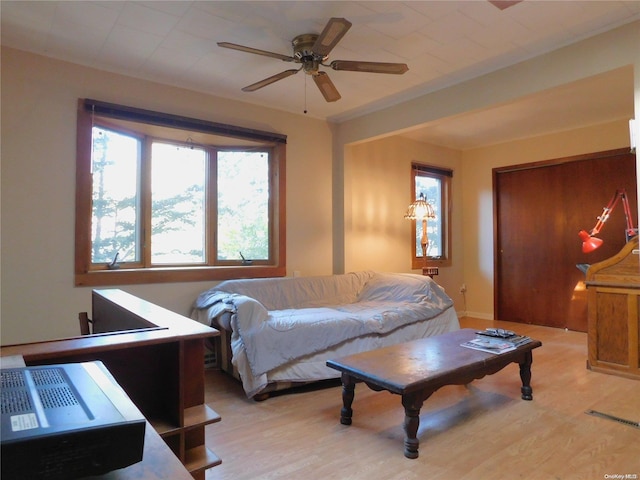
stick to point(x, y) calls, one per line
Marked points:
point(442, 262)
point(174, 275)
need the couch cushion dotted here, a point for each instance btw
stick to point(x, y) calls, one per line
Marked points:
point(301, 292)
point(397, 287)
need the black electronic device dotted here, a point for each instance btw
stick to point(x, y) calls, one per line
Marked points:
point(66, 421)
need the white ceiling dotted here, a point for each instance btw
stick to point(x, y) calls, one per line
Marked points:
point(592, 101)
point(443, 42)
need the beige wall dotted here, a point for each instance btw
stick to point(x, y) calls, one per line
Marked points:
point(39, 98)
point(377, 189)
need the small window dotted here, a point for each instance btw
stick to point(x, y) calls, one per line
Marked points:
point(158, 201)
point(435, 184)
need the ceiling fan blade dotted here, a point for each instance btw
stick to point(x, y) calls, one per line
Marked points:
point(268, 81)
point(371, 67)
point(502, 5)
point(326, 86)
point(242, 48)
point(333, 31)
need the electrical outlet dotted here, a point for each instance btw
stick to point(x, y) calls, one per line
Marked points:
point(463, 288)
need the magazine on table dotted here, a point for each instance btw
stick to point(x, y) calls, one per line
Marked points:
point(496, 340)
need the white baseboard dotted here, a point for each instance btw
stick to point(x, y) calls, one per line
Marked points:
point(480, 315)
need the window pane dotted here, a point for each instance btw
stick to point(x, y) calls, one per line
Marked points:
point(115, 160)
point(432, 190)
point(243, 205)
point(177, 204)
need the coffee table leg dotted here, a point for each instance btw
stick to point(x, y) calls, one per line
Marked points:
point(412, 405)
point(348, 392)
point(525, 376)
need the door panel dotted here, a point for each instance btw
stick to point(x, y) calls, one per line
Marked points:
point(539, 209)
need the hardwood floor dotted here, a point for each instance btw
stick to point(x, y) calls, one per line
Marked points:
point(481, 431)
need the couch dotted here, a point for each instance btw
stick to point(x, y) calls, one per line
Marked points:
point(278, 332)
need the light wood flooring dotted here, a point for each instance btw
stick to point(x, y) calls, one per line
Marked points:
point(476, 432)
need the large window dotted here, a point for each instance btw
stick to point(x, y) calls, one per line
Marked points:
point(162, 198)
point(435, 184)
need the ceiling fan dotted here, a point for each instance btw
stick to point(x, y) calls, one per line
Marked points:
point(311, 50)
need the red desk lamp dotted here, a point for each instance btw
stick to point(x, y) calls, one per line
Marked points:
point(589, 242)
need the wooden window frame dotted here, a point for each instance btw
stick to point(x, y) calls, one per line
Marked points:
point(86, 275)
point(445, 176)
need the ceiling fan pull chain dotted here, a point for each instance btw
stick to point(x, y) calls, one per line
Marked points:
point(305, 94)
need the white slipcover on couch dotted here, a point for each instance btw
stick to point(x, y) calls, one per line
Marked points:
point(283, 330)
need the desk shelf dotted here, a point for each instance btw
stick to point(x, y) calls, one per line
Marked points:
point(200, 415)
point(163, 427)
point(187, 441)
point(200, 458)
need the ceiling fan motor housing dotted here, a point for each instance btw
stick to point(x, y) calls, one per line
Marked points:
point(302, 51)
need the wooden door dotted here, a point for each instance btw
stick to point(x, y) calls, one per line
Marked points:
point(539, 210)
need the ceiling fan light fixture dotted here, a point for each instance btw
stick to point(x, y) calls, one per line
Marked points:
point(311, 67)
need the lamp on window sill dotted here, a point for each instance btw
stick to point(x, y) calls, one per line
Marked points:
point(589, 241)
point(421, 210)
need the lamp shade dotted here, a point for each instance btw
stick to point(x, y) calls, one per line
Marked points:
point(589, 243)
point(420, 210)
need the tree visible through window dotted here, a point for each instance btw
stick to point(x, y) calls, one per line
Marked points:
point(178, 206)
point(435, 184)
point(243, 205)
point(158, 199)
point(115, 164)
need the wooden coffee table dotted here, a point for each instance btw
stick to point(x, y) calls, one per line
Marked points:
point(416, 369)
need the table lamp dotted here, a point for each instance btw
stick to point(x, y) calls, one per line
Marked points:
point(421, 210)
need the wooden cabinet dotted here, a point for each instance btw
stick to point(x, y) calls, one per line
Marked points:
point(157, 356)
point(613, 296)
